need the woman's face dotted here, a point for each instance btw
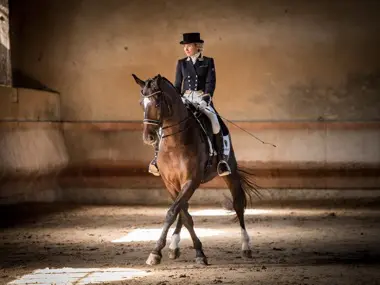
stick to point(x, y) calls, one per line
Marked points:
point(190, 49)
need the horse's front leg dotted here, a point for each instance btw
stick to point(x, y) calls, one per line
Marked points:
point(183, 197)
point(174, 251)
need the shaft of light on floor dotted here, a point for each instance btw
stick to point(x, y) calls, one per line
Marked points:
point(154, 234)
point(78, 276)
point(222, 212)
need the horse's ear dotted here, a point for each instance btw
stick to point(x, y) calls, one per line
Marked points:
point(159, 79)
point(139, 81)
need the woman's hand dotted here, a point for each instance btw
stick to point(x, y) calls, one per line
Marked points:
point(203, 104)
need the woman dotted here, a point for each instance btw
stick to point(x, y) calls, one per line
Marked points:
point(195, 80)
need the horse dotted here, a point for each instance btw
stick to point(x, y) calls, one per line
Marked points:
point(184, 163)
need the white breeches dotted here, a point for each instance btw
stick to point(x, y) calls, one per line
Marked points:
point(195, 97)
point(210, 113)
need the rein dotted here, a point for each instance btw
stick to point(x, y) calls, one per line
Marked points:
point(158, 122)
point(180, 131)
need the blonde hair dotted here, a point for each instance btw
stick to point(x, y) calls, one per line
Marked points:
point(200, 47)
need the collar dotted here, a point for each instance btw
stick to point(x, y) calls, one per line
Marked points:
point(197, 56)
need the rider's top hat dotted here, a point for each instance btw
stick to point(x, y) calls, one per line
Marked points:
point(189, 38)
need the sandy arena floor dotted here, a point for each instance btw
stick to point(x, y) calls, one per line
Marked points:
point(109, 245)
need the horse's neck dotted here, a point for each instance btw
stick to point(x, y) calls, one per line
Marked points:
point(175, 127)
point(180, 113)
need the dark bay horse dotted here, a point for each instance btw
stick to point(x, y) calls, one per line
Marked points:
point(182, 158)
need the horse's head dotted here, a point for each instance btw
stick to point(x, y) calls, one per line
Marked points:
point(156, 106)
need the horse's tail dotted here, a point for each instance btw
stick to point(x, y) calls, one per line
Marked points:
point(247, 190)
point(248, 186)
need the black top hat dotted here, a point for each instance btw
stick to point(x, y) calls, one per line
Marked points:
point(189, 38)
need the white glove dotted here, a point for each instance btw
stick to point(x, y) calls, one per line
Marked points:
point(203, 105)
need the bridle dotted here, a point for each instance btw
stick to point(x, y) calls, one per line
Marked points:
point(158, 121)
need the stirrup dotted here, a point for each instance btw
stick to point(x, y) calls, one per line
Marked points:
point(153, 168)
point(223, 168)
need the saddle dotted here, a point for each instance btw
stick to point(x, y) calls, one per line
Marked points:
point(204, 123)
point(207, 135)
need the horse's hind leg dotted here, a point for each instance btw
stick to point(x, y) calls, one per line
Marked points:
point(239, 201)
point(200, 257)
point(174, 251)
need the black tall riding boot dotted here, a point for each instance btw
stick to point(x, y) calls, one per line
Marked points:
point(223, 168)
point(153, 168)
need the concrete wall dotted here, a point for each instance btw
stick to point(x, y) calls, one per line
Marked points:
point(276, 60)
point(32, 152)
point(280, 62)
point(21, 104)
point(312, 156)
point(5, 55)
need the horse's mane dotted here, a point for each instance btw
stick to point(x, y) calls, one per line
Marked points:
point(171, 85)
point(167, 96)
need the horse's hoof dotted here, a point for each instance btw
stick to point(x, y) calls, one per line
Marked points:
point(174, 253)
point(153, 259)
point(247, 253)
point(201, 260)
